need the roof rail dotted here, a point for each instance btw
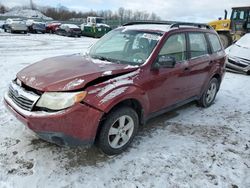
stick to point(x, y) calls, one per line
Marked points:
point(172, 24)
point(149, 22)
point(199, 25)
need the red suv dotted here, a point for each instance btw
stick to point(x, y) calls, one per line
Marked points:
point(133, 73)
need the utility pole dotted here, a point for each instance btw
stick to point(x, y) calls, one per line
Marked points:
point(32, 5)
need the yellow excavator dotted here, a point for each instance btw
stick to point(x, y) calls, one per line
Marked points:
point(230, 30)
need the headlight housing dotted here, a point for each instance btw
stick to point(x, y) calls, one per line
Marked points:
point(60, 100)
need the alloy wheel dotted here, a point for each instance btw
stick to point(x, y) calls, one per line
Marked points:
point(211, 92)
point(121, 131)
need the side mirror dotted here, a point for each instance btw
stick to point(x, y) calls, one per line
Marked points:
point(164, 62)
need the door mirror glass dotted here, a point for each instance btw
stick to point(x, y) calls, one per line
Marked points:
point(165, 62)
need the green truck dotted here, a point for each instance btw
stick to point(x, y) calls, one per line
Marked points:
point(95, 27)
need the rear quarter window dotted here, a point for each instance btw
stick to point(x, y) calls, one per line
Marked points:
point(215, 42)
point(198, 44)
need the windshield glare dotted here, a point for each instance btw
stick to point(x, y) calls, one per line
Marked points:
point(125, 46)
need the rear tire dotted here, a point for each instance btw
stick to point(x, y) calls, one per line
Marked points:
point(118, 130)
point(225, 39)
point(209, 94)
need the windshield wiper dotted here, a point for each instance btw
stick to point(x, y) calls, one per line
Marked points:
point(102, 58)
point(106, 59)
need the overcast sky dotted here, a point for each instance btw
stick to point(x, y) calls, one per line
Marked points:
point(182, 10)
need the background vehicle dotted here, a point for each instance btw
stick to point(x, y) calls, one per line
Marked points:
point(35, 27)
point(95, 27)
point(1, 24)
point(239, 55)
point(15, 25)
point(52, 27)
point(69, 30)
point(232, 29)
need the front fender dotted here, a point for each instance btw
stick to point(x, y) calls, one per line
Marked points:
point(107, 97)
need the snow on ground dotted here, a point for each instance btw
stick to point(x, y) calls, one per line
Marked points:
point(188, 147)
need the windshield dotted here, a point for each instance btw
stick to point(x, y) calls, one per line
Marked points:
point(125, 46)
point(99, 20)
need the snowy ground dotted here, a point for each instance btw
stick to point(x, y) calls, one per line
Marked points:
point(189, 147)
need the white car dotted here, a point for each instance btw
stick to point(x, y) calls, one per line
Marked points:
point(15, 25)
point(239, 55)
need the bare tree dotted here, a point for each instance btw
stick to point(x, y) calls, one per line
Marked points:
point(32, 5)
point(3, 9)
point(118, 17)
point(121, 11)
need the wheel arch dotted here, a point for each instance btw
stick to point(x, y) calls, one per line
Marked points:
point(129, 102)
point(218, 77)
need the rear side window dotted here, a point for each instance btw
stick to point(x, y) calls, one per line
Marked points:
point(175, 46)
point(215, 42)
point(198, 44)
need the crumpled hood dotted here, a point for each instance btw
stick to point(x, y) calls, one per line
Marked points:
point(68, 73)
point(241, 49)
point(236, 51)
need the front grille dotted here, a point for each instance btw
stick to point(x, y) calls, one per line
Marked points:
point(22, 98)
point(237, 63)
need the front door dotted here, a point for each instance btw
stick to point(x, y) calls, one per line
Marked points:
point(165, 86)
point(240, 22)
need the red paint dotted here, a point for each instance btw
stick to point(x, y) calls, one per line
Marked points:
point(52, 27)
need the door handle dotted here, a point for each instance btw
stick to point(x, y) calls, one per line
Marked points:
point(186, 69)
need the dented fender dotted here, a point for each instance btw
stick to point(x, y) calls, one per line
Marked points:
point(109, 96)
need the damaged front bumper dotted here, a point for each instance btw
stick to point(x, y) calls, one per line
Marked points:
point(75, 126)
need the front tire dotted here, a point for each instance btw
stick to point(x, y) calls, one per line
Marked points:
point(209, 94)
point(118, 130)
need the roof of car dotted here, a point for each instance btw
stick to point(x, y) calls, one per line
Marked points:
point(155, 27)
point(164, 26)
point(73, 26)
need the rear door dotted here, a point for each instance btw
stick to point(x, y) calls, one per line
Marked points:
point(199, 64)
point(218, 55)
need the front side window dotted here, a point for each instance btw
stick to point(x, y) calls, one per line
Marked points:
point(175, 47)
point(198, 44)
point(239, 15)
point(215, 43)
point(125, 46)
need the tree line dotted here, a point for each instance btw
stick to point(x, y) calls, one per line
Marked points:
point(122, 14)
point(63, 13)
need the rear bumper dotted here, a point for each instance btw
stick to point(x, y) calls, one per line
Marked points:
point(40, 30)
point(74, 33)
point(75, 126)
point(18, 29)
